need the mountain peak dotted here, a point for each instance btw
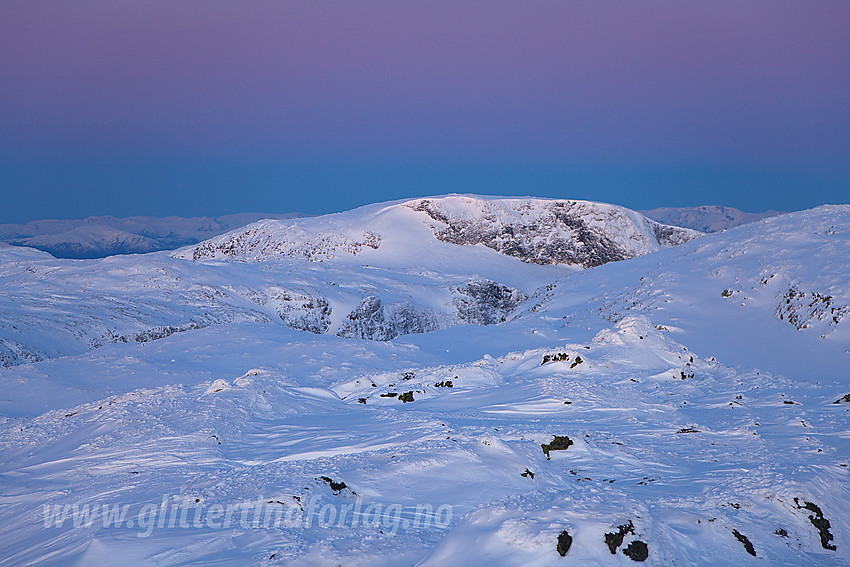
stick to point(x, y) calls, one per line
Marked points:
point(539, 231)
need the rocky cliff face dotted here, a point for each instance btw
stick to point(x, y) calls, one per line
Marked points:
point(373, 320)
point(540, 231)
point(478, 302)
point(485, 302)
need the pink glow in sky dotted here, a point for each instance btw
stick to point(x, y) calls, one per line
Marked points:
point(758, 84)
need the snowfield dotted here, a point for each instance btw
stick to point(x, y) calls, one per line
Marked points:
point(422, 383)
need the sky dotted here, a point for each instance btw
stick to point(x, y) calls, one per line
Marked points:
point(208, 107)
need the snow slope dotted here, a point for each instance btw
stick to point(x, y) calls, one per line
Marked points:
point(696, 391)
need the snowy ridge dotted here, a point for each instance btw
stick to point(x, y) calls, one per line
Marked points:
point(272, 239)
point(540, 231)
point(551, 231)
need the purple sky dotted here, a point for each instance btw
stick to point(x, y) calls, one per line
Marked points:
point(152, 107)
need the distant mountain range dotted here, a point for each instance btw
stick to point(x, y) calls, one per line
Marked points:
point(102, 236)
point(706, 218)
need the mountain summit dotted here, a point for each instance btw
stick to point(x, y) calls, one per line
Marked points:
point(537, 231)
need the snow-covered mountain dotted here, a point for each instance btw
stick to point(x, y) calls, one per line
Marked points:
point(686, 406)
point(538, 231)
point(706, 218)
point(91, 241)
point(98, 237)
point(386, 270)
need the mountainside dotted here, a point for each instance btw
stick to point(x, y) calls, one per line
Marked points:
point(781, 284)
point(538, 231)
point(385, 271)
point(98, 237)
point(706, 218)
point(687, 406)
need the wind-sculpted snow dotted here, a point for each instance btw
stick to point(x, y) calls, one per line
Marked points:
point(61, 311)
point(288, 429)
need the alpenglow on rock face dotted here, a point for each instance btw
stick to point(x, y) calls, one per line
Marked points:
point(550, 232)
point(537, 231)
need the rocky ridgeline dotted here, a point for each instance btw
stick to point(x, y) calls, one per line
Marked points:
point(576, 233)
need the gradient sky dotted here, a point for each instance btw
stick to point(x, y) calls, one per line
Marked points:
point(209, 107)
